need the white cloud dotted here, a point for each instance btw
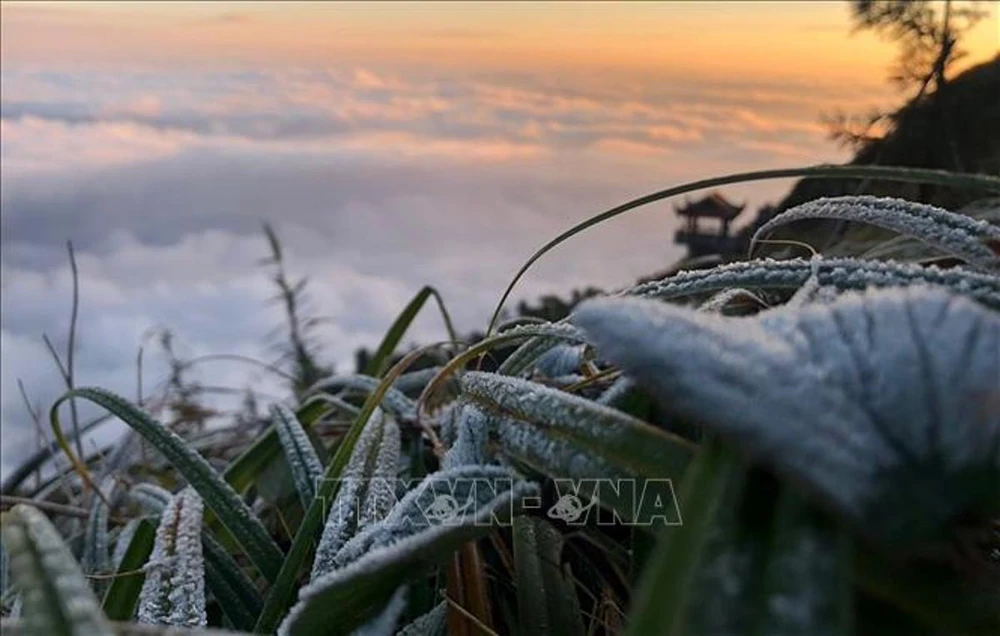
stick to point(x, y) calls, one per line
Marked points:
point(376, 184)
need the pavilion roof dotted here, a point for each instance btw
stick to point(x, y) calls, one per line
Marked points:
point(714, 205)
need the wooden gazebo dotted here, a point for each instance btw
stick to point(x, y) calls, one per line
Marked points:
point(702, 240)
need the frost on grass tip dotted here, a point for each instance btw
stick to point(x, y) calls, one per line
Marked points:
point(299, 452)
point(954, 234)
point(173, 592)
point(374, 459)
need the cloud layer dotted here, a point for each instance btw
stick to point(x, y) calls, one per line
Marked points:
point(377, 182)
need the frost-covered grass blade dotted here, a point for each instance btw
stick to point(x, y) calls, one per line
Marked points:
point(57, 601)
point(219, 496)
point(362, 497)
point(594, 430)
point(174, 590)
point(411, 539)
point(954, 234)
point(546, 600)
point(299, 453)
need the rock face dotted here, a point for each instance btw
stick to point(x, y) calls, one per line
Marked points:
point(956, 128)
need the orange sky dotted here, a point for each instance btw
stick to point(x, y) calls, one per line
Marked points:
point(711, 39)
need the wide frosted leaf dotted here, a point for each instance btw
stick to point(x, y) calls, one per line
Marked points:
point(56, 599)
point(882, 403)
point(428, 525)
point(174, 590)
point(954, 234)
point(299, 452)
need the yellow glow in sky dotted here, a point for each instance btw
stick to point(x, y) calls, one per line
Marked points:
point(716, 39)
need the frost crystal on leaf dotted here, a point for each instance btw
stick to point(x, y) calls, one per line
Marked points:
point(841, 273)
point(882, 403)
point(174, 590)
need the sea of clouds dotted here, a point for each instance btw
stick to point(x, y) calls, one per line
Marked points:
point(377, 182)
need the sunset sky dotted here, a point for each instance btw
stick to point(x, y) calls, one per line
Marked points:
point(391, 144)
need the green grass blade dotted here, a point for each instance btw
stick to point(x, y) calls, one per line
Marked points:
point(887, 173)
point(379, 363)
point(666, 582)
point(122, 596)
point(806, 584)
point(244, 470)
point(57, 601)
point(546, 601)
point(235, 594)
point(218, 495)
